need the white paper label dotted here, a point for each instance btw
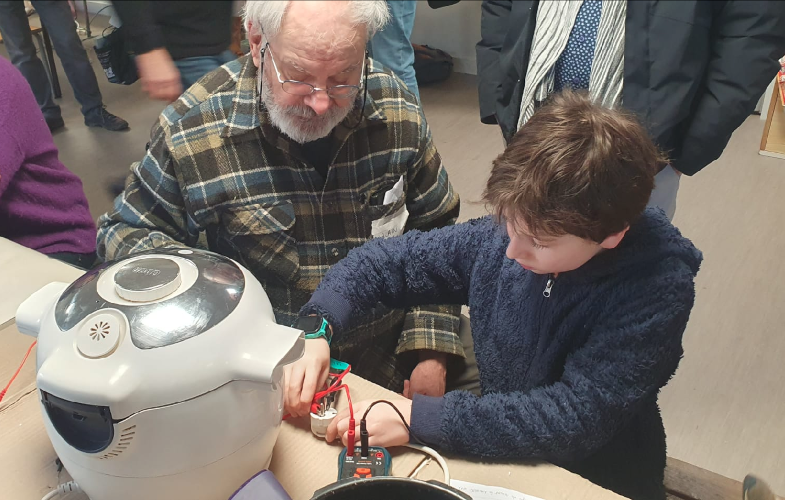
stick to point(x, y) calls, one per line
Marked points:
point(482, 492)
point(394, 194)
point(391, 225)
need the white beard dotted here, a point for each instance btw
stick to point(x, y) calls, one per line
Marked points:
point(286, 118)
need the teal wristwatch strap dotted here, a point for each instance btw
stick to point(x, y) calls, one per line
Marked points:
point(322, 332)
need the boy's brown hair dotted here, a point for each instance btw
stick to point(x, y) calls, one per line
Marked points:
point(575, 168)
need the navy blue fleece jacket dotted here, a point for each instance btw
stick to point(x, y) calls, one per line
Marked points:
point(573, 378)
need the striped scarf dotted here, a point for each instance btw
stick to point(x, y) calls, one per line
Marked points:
point(555, 19)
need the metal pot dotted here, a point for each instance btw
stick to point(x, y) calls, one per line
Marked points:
point(389, 488)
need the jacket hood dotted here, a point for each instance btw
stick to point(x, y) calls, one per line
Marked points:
point(650, 240)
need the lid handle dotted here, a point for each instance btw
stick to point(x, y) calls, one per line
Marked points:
point(260, 358)
point(32, 311)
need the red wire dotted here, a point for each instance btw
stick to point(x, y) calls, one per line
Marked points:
point(29, 349)
point(334, 387)
point(348, 397)
point(350, 440)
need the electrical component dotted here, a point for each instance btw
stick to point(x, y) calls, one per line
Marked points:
point(433, 453)
point(334, 386)
point(319, 423)
point(377, 462)
point(366, 451)
point(63, 488)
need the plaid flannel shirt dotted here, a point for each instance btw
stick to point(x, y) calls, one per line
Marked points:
point(218, 173)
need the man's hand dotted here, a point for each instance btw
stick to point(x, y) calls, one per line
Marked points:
point(305, 376)
point(160, 77)
point(429, 377)
point(383, 424)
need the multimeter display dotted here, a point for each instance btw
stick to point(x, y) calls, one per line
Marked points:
point(377, 463)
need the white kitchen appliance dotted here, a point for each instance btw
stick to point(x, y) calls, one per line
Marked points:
point(160, 375)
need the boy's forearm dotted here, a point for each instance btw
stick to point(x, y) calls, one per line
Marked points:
point(413, 270)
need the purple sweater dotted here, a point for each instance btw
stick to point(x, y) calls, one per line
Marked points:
point(42, 204)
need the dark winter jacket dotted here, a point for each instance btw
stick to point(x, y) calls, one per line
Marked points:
point(572, 378)
point(185, 29)
point(693, 70)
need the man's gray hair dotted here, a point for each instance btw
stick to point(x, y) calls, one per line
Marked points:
point(265, 16)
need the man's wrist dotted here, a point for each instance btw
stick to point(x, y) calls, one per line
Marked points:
point(429, 354)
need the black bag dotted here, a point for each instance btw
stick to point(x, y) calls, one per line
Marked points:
point(438, 4)
point(116, 57)
point(431, 65)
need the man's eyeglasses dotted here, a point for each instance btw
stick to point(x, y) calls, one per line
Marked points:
point(296, 87)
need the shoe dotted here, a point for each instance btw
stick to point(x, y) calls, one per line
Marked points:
point(116, 187)
point(55, 123)
point(100, 117)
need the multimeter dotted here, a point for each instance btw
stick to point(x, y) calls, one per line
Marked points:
point(355, 466)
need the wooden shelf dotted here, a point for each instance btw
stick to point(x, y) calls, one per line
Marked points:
point(773, 141)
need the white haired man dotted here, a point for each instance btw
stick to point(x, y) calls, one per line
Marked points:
point(285, 160)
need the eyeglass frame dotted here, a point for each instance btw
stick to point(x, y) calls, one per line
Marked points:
point(327, 90)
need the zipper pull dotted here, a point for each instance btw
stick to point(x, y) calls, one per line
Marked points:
point(548, 287)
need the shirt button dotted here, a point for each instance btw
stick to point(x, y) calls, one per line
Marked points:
point(335, 252)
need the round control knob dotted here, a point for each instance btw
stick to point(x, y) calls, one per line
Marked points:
point(147, 280)
point(99, 336)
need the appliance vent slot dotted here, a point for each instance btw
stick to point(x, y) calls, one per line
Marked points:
point(126, 436)
point(100, 331)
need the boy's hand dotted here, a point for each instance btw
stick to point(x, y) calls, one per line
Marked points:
point(383, 424)
point(429, 377)
point(305, 376)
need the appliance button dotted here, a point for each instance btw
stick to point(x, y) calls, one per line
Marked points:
point(99, 336)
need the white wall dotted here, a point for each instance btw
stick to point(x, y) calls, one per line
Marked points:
point(93, 8)
point(454, 29)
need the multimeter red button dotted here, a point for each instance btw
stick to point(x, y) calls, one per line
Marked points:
point(380, 455)
point(363, 470)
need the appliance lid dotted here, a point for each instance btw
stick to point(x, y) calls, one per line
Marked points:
point(168, 295)
point(217, 325)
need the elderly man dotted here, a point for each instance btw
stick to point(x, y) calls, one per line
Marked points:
point(285, 160)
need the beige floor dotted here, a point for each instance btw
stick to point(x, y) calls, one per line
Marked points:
point(724, 408)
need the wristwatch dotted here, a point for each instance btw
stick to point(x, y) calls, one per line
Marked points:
point(314, 327)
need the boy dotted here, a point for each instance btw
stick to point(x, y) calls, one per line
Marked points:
point(579, 297)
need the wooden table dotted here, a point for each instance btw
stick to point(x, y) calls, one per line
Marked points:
point(27, 459)
point(28, 470)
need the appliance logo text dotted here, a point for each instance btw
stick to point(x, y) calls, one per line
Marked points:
point(147, 271)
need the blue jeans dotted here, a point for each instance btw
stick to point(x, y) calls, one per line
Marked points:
point(59, 23)
point(393, 47)
point(666, 187)
point(193, 68)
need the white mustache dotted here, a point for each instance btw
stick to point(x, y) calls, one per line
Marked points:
point(301, 111)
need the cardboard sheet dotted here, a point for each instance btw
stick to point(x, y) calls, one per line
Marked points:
point(301, 462)
point(13, 346)
point(535, 479)
point(24, 271)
